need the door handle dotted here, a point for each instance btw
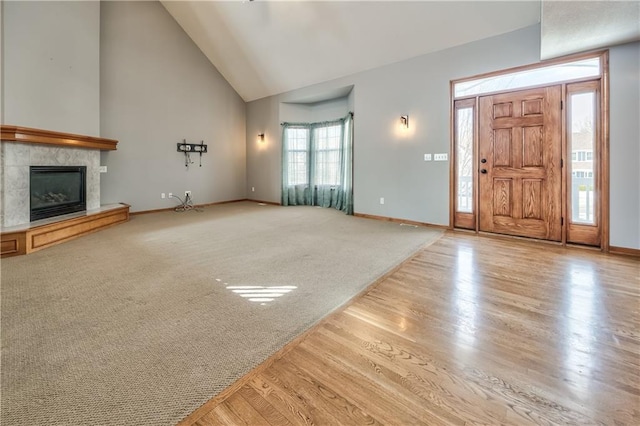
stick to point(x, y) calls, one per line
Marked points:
point(484, 160)
point(483, 171)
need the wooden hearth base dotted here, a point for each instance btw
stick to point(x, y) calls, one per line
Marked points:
point(43, 234)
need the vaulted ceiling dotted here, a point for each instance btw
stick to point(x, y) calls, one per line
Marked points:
point(264, 47)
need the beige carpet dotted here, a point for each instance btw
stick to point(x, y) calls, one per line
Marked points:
point(144, 322)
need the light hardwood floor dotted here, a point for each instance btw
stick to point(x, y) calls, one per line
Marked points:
point(472, 330)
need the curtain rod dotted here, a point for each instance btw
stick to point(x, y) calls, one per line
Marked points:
point(319, 122)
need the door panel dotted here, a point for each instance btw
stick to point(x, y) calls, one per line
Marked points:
point(520, 184)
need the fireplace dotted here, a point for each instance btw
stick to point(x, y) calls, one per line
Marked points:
point(57, 190)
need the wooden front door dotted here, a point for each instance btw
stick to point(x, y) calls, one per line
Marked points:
point(520, 153)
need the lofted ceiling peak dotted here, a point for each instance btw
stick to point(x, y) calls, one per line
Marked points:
point(264, 48)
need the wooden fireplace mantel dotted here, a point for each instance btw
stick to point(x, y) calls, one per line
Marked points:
point(49, 137)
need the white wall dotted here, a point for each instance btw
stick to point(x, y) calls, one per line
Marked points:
point(389, 163)
point(157, 88)
point(624, 139)
point(2, 160)
point(50, 73)
point(51, 65)
point(1, 68)
point(264, 162)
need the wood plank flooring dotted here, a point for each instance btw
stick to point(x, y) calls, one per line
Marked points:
point(472, 330)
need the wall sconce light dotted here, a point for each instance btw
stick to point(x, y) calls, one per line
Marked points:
point(404, 121)
point(260, 137)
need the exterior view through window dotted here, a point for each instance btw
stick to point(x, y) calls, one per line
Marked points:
point(582, 122)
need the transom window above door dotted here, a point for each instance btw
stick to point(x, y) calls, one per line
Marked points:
point(528, 78)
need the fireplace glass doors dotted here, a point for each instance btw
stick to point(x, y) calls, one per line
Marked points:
point(57, 190)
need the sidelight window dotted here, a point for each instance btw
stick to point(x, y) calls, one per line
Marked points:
point(464, 159)
point(464, 133)
point(582, 135)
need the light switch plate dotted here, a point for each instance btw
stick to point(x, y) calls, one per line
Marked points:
point(427, 157)
point(103, 169)
point(440, 157)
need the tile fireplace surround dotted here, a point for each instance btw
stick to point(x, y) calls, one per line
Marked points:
point(17, 157)
point(23, 147)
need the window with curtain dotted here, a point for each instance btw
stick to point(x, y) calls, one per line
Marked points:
point(298, 156)
point(317, 164)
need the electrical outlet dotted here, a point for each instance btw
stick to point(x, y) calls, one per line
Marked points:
point(253, 189)
point(103, 169)
point(440, 157)
point(187, 194)
point(170, 195)
point(381, 200)
point(427, 157)
point(162, 195)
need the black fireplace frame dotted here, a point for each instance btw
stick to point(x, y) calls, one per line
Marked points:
point(63, 208)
